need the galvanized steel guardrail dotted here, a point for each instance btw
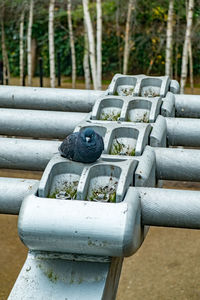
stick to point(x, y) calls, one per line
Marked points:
point(76, 248)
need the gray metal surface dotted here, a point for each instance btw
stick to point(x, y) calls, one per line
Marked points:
point(168, 106)
point(183, 132)
point(123, 138)
point(48, 98)
point(53, 277)
point(26, 154)
point(61, 173)
point(158, 136)
point(187, 106)
point(82, 227)
point(12, 193)
point(177, 164)
point(171, 163)
point(142, 85)
point(72, 235)
point(38, 123)
point(130, 109)
point(169, 208)
point(145, 174)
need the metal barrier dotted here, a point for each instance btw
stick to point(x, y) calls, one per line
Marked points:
point(80, 220)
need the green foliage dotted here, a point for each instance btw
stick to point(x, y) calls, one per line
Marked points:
point(148, 29)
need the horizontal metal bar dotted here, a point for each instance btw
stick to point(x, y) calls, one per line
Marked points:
point(48, 98)
point(177, 164)
point(38, 123)
point(183, 132)
point(26, 154)
point(187, 106)
point(170, 208)
point(13, 191)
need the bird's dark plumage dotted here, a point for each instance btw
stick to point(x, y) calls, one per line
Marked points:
point(84, 146)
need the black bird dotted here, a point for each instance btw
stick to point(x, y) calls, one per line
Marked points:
point(84, 146)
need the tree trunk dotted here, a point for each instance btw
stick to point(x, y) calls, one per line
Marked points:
point(185, 47)
point(191, 66)
point(169, 42)
point(177, 46)
point(33, 55)
point(29, 34)
point(6, 67)
point(21, 48)
point(118, 35)
point(190, 55)
point(51, 43)
point(131, 6)
point(71, 35)
point(86, 65)
point(90, 33)
point(99, 44)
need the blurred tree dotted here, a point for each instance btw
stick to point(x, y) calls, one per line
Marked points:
point(29, 38)
point(86, 65)
point(99, 44)
point(147, 35)
point(131, 7)
point(51, 43)
point(91, 40)
point(6, 66)
point(21, 47)
point(71, 35)
point(189, 14)
point(190, 55)
point(169, 41)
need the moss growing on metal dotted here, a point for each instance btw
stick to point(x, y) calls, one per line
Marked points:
point(143, 119)
point(150, 92)
point(117, 148)
point(52, 277)
point(68, 191)
point(128, 91)
point(121, 149)
point(109, 116)
point(104, 194)
point(132, 153)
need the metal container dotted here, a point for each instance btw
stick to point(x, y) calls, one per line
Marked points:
point(120, 138)
point(103, 181)
point(130, 109)
point(82, 227)
point(142, 85)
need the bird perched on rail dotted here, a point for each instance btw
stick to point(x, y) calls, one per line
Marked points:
point(84, 146)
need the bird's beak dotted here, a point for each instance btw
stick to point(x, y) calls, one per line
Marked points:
point(87, 138)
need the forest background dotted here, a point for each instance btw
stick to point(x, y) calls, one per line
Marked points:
point(140, 26)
